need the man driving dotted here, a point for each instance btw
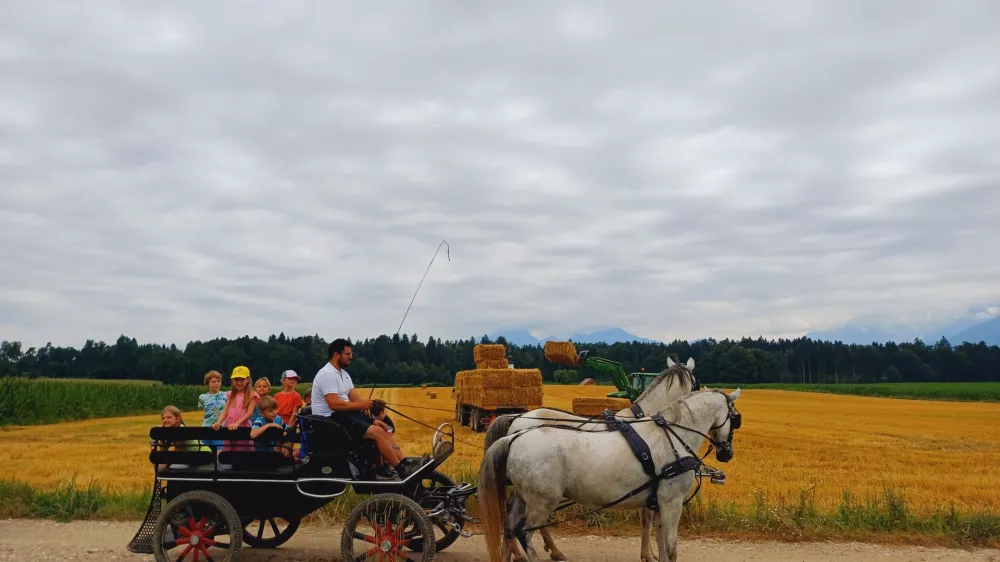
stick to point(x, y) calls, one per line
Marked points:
point(334, 396)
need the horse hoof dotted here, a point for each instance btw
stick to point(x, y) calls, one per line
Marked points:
point(557, 556)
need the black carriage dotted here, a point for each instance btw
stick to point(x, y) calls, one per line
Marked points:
point(209, 499)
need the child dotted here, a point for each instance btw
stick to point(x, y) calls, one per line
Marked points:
point(171, 417)
point(268, 418)
point(213, 402)
point(289, 401)
point(239, 407)
point(263, 388)
point(306, 410)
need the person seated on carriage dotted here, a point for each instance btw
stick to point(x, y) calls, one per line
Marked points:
point(268, 419)
point(334, 396)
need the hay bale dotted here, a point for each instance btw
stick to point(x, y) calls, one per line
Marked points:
point(561, 352)
point(483, 352)
point(496, 388)
point(596, 406)
point(492, 364)
point(424, 385)
point(432, 395)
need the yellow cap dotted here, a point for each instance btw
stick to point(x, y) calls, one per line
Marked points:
point(240, 372)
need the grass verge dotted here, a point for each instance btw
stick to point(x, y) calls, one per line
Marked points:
point(884, 517)
point(951, 391)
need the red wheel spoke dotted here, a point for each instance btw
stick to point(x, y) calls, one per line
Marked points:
point(202, 522)
point(184, 531)
point(185, 553)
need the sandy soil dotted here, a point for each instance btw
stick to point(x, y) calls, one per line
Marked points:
point(23, 540)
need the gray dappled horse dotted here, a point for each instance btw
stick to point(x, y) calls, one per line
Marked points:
point(547, 464)
point(672, 383)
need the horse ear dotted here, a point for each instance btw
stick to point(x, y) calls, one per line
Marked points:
point(670, 363)
point(690, 363)
point(732, 396)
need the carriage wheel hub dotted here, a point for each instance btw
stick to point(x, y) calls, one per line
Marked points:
point(195, 539)
point(386, 546)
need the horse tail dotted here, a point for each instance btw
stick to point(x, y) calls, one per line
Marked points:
point(492, 492)
point(498, 429)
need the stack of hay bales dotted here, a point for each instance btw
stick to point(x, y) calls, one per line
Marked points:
point(596, 406)
point(489, 387)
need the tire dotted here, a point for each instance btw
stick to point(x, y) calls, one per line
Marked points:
point(209, 512)
point(280, 537)
point(474, 422)
point(355, 542)
point(450, 535)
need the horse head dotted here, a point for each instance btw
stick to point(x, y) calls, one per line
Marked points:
point(725, 426)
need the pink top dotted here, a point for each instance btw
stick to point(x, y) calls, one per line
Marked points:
point(237, 408)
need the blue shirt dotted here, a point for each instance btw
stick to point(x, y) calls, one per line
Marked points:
point(267, 444)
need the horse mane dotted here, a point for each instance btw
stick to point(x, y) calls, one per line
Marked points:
point(678, 373)
point(673, 412)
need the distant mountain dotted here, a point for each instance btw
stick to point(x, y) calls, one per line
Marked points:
point(516, 336)
point(521, 337)
point(865, 331)
point(609, 335)
point(851, 333)
point(988, 332)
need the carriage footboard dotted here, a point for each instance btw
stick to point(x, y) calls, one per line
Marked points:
point(142, 542)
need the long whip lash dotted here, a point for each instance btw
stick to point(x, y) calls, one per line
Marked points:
point(443, 243)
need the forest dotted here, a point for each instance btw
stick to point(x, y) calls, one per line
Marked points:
point(406, 359)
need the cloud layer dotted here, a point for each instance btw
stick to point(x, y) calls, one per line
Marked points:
point(179, 172)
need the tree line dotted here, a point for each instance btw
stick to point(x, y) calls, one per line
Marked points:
point(405, 359)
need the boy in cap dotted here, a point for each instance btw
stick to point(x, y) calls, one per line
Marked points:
point(289, 401)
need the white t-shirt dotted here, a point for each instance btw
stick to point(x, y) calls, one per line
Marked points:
point(329, 380)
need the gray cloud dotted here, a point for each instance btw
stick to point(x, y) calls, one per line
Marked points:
point(189, 171)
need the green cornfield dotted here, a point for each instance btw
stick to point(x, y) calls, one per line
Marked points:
point(958, 391)
point(32, 402)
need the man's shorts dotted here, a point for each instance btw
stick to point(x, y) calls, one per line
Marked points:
point(356, 423)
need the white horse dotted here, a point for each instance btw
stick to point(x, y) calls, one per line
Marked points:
point(546, 464)
point(672, 383)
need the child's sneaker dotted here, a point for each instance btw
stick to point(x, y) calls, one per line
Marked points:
point(386, 472)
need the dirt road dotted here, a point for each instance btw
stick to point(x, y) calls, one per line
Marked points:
point(23, 540)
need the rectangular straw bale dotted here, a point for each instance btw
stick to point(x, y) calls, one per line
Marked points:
point(528, 397)
point(525, 378)
point(496, 378)
point(561, 352)
point(432, 395)
point(492, 364)
point(596, 406)
point(482, 352)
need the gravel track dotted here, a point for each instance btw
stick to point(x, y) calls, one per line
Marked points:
point(23, 540)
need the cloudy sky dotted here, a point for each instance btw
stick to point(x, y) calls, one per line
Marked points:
point(173, 171)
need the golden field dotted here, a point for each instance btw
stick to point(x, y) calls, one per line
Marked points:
point(935, 453)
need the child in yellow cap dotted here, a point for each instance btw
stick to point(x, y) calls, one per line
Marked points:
point(239, 407)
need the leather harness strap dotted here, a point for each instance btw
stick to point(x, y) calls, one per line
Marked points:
point(641, 451)
point(636, 410)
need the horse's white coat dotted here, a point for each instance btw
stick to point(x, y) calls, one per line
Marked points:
point(547, 464)
point(660, 392)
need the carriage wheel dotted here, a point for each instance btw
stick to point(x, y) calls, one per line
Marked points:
point(269, 533)
point(386, 528)
point(190, 525)
point(444, 534)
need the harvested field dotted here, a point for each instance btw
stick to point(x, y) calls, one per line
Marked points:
point(596, 406)
point(793, 447)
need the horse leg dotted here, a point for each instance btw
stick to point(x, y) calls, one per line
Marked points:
point(645, 553)
point(512, 547)
point(536, 515)
point(670, 518)
point(550, 546)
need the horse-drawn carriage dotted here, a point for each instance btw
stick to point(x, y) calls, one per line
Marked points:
point(217, 499)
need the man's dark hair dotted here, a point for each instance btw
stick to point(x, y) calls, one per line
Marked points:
point(337, 346)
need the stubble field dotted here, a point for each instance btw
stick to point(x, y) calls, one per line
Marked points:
point(798, 455)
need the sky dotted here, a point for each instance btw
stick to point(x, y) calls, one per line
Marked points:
point(188, 170)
